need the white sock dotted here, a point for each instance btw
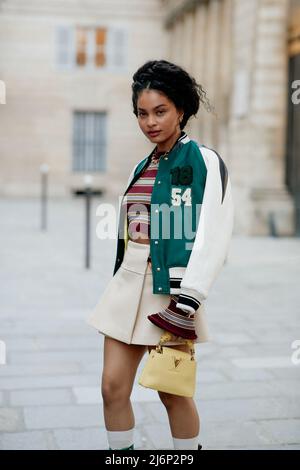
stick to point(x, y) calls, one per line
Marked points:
point(186, 444)
point(120, 439)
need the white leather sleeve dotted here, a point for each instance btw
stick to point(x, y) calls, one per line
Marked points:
point(214, 230)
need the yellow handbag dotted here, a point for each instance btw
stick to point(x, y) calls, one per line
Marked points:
point(170, 370)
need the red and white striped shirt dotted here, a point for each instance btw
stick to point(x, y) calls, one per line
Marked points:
point(138, 201)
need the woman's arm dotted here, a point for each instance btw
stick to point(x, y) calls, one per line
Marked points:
point(213, 234)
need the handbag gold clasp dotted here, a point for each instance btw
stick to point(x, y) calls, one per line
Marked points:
point(167, 336)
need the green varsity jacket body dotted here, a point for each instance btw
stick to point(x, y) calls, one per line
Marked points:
point(191, 220)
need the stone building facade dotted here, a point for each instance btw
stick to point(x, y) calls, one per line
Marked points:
point(237, 49)
point(68, 67)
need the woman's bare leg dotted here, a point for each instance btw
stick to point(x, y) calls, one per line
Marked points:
point(183, 415)
point(120, 363)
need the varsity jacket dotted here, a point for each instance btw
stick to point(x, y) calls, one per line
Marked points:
point(191, 222)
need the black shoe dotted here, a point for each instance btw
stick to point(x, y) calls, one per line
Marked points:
point(125, 448)
point(199, 446)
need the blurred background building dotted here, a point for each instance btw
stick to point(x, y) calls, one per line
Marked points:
point(68, 65)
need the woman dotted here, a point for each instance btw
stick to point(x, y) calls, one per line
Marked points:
point(175, 225)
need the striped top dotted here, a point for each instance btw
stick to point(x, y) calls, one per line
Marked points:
point(138, 201)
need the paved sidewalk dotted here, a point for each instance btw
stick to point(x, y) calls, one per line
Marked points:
point(248, 389)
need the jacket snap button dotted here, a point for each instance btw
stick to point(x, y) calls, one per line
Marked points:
point(156, 242)
point(158, 182)
point(157, 269)
point(166, 158)
point(160, 288)
point(156, 210)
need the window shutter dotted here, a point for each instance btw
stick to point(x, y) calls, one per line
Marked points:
point(65, 46)
point(117, 47)
point(100, 130)
point(89, 141)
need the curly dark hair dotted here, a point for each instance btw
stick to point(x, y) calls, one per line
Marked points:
point(171, 79)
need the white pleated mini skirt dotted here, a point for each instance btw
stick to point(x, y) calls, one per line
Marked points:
point(122, 310)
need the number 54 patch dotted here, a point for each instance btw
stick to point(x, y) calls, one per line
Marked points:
point(178, 196)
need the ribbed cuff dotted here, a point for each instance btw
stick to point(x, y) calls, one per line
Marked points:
point(187, 303)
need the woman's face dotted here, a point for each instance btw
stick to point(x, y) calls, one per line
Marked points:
point(157, 113)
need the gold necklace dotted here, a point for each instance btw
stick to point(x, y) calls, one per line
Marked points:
point(155, 157)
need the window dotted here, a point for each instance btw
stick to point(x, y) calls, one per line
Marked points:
point(91, 47)
point(89, 141)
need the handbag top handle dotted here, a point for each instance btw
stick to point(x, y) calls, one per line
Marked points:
point(167, 336)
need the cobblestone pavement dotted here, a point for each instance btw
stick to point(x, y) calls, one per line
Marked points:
point(248, 392)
